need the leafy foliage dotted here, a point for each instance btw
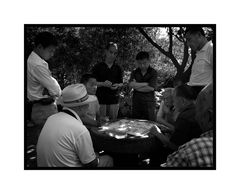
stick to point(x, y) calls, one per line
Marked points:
point(80, 47)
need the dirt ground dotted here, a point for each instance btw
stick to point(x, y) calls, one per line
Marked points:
point(30, 141)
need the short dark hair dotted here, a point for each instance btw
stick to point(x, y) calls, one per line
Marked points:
point(85, 78)
point(194, 30)
point(185, 91)
point(142, 55)
point(45, 39)
point(109, 44)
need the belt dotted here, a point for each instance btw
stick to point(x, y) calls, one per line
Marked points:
point(43, 101)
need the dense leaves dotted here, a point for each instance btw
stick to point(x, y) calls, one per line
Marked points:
point(80, 47)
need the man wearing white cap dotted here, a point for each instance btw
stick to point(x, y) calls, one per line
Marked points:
point(64, 140)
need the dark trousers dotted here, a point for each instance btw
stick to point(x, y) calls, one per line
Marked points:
point(159, 155)
point(196, 90)
point(143, 109)
point(29, 110)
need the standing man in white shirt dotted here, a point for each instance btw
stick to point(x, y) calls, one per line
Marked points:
point(42, 88)
point(202, 69)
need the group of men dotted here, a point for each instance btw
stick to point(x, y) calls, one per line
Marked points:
point(64, 140)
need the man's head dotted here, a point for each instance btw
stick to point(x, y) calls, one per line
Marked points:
point(75, 97)
point(90, 83)
point(111, 51)
point(182, 97)
point(143, 60)
point(204, 108)
point(45, 45)
point(195, 37)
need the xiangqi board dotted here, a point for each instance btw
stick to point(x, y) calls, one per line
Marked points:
point(128, 126)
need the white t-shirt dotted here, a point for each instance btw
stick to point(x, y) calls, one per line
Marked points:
point(202, 68)
point(93, 108)
point(64, 142)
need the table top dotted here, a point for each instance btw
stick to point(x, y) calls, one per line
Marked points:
point(124, 142)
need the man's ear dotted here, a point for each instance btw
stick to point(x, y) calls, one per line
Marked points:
point(182, 100)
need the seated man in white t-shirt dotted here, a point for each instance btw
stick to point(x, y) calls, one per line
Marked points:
point(64, 141)
point(92, 118)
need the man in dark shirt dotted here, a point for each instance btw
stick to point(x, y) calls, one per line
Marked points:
point(109, 78)
point(199, 151)
point(143, 80)
point(185, 127)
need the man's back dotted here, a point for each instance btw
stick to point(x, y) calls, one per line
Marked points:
point(39, 77)
point(93, 108)
point(196, 153)
point(186, 126)
point(202, 68)
point(64, 142)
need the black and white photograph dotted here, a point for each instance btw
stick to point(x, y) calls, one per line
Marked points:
point(120, 96)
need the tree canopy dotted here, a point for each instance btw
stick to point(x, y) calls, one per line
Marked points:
point(80, 47)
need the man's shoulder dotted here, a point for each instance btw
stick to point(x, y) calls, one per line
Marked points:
point(98, 65)
point(153, 70)
point(36, 62)
point(210, 43)
point(198, 145)
point(118, 67)
point(94, 97)
point(208, 47)
point(67, 119)
point(189, 112)
point(135, 70)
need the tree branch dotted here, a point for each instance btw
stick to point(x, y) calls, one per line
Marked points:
point(186, 55)
point(187, 73)
point(168, 54)
point(152, 42)
point(170, 40)
point(179, 38)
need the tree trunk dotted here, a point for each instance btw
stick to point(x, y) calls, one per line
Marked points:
point(181, 75)
point(187, 73)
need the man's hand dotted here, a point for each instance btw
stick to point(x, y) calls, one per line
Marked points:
point(103, 120)
point(155, 130)
point(105, 161)
point(107, 83)
point(114, 86)
point(165, 128)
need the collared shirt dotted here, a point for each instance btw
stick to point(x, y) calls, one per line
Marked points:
point(39, 77)
point(202, 68)
point(102, 72)
point(186, 127)
point(64, 142)
point(208, 133)
point(196, 153)
point(150, 77)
